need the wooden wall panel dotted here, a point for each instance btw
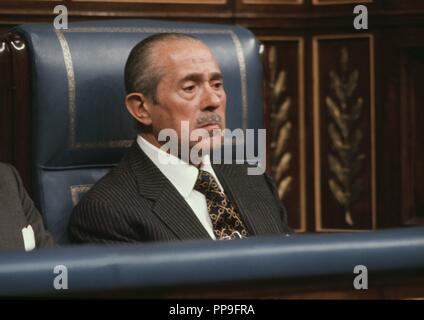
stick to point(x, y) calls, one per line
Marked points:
point(398, 134)
point(340, 2)
point(6, 102)
point(404, 5)
point(274, 2)
point(15, 111)
point(21, 111)
point(157, 1)
point(412, 119)
point(410, 72)
point(284, 88)
point(260, 9)
point(16, 12)
point(344, 135)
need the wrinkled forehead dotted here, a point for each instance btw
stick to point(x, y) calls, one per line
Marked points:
point(175, 52)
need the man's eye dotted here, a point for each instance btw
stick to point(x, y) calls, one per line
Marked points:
point(217, 85)
point(189, 89)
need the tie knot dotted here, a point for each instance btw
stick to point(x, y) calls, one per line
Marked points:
point(206, 182)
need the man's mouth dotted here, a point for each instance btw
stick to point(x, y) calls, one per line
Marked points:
point(210, 125)
point(209, 121)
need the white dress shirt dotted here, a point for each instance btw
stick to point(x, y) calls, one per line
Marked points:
point(183, 177)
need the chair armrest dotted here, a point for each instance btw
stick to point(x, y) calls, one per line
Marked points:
point(163, 269)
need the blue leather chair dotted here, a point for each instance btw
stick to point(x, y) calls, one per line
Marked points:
point(80, 126)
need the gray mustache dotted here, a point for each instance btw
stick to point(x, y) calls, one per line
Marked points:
point(213, 117)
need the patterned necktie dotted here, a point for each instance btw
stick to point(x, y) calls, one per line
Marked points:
point(226, 221)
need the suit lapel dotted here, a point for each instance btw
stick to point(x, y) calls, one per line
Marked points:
point(235, 192)
point(174, 211)
point(252, 208)
point(170, 207)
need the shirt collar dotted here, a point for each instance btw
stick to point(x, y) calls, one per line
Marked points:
point(181, 174)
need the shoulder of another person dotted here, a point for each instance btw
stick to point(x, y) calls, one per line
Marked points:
point(6, 168)
point(8, 174)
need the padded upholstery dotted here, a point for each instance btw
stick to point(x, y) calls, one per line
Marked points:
point(80, 125)
point(158, 269)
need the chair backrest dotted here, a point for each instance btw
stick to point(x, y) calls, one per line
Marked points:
point(80, 126)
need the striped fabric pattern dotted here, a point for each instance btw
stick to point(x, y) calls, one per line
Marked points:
point(135, 202)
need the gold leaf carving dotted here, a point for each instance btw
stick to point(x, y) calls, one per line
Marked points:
point(280, 124)
point(284, 186)
point(337, 168)
point(352, 83)
point(283, 112)
point(283, 137)
point(336, 138)
point(283, 166)
point(357, 109)
point(280, 84)
point(272, 61)
point(336, 115)
point(338, 192)
point(345, 137)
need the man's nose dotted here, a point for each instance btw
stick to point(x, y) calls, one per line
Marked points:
point(211, 99)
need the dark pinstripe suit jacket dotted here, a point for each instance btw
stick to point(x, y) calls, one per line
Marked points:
point(135, 202)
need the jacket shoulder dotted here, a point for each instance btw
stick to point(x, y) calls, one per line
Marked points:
point(111, 187)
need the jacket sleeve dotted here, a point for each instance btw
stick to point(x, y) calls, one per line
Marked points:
point(93, 221)
point(42, 237)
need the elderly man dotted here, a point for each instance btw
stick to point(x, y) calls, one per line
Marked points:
point(172, 79)
point(21, 226)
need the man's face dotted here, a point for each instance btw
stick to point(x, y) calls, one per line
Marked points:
point(191, 88)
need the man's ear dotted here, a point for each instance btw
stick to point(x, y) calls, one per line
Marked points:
point(139, 108)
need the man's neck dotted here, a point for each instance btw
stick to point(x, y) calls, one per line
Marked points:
point(149, 137)
point(152, 140)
